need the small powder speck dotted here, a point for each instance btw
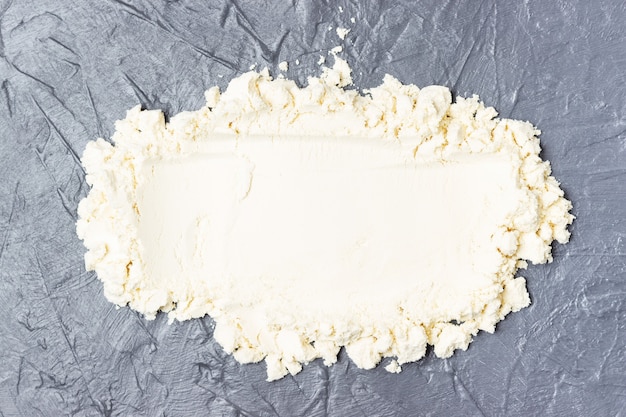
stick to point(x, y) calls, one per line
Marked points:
point(342, 32)
point(393, 367)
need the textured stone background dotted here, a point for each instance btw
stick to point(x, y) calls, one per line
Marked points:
point(68, 71)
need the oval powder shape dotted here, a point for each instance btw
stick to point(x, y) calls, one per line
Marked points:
point(307, 219)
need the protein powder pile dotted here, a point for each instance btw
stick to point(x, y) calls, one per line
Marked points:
point(306, 219)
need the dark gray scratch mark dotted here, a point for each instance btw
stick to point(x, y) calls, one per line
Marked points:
point(20, 370)
point(142, 324)
point(139, 93)
point(43, 163)
point(469, 53)
point(64, 46)
point(64, 141)
point(274, 410)
point(57, 315)
point(8, 226)
point(7, 96)
point(245, 24)
point(326, 390)
point(311, 404)
point(133, 11)
point(75, 67)
point(32, 77)
point(459, 382)
point(93, 107)
point(236, 407)
point(24, 22)
point(447, 70)
point(66, 205)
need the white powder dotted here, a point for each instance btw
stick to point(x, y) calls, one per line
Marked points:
point(342, 32)
point(283, 66)
point(393, 367)
point(306, 219)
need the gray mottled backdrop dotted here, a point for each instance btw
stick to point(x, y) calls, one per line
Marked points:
point(68, 71)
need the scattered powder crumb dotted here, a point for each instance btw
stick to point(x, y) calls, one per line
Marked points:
point(342, 32)
point(283, 66)
point(297, 62)
point(353, 20)
point(340, 9)
point(252, 67)
point(393, 367)
point(322, 60)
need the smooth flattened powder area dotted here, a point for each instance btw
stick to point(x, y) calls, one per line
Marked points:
point(399, 219)
point(323, 224)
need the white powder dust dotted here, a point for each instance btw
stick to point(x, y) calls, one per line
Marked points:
point(342, 32)
point(306, 219)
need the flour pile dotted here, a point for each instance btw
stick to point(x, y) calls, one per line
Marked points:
point(307, 219)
